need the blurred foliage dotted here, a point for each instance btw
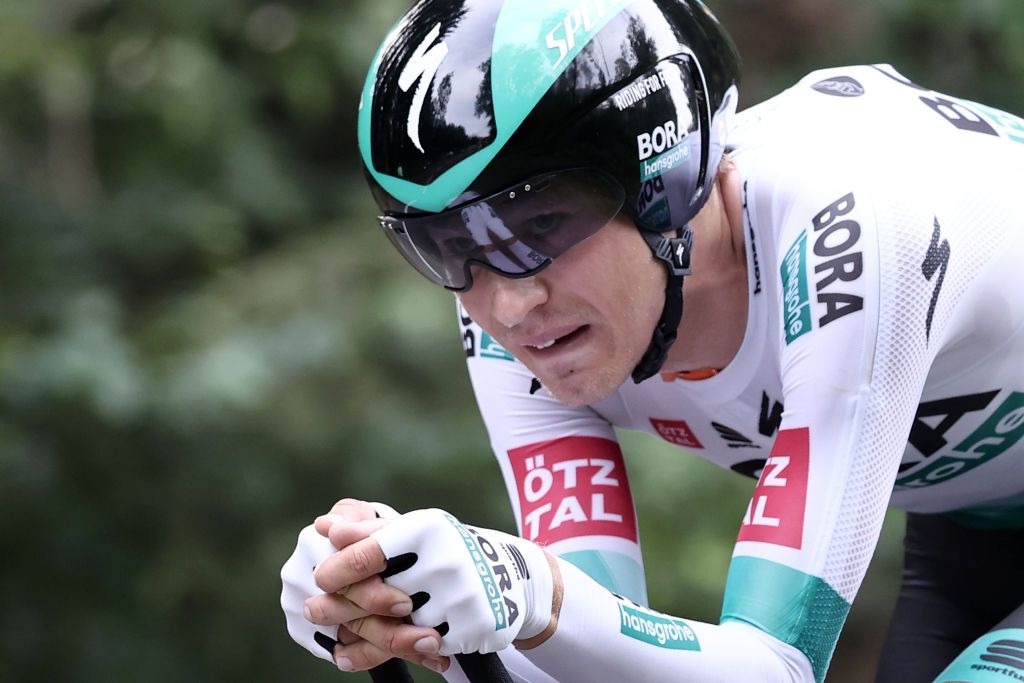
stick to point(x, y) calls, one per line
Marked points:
point(204, 343)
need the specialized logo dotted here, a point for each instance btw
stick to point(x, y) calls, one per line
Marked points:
point(662, 138)
point(839, 86)
point(935, 261)
point(492, 572)
point(422, 67)
point(572, 487)
point(771, 416)
point(586, 16)
point(677, 432)
point(680, 249)
point(656, 629)
point(776, 510)
point(1003, 428)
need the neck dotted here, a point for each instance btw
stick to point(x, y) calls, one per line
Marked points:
point(715, 295)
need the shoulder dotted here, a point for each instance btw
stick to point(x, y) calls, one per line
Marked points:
point(861, 108)
point(841, 142)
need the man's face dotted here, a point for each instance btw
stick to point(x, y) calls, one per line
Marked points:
point(598, 303)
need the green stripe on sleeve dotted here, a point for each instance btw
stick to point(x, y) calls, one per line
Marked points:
point(797, 608)
point(618, 573)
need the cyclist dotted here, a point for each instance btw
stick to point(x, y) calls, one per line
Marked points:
point(849, 253)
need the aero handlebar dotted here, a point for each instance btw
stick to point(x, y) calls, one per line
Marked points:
point(477, 667)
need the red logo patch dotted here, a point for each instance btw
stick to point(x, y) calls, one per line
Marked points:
point(677, 432)
point(571, 487)
point(776, 511)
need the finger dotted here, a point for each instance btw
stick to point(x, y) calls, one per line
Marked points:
point(368, 656)
point(323, 523)
point(346, 637)
point(396, 637)
point(371, 596)
point(438, 664)
point(354, 510)
point(374, 596)
point(359, 656)
point(348, 510)
point(330, 608)
point(345, 534)
point(364, 655)
point(342, 532)
point(348, 566)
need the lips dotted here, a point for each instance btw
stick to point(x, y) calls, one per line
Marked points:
point(549, 337)
point(556, 347)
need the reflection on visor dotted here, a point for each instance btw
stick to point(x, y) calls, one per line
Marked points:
point(505, 251)
point(515, 232)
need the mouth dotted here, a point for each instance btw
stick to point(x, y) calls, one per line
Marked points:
point(557, 340)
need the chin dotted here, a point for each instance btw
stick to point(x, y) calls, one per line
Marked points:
point(584, 388)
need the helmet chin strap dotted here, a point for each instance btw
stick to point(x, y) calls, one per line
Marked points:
point(674, 252)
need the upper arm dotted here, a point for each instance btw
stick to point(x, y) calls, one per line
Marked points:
point(854, 359)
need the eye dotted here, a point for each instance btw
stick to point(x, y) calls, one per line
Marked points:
point(543, 223)
point(459, 246)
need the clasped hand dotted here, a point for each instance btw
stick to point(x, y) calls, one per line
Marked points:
point(463, 589)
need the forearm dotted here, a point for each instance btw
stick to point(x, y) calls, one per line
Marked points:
point(601, 637)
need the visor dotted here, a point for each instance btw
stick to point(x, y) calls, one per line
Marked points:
point(515, 232)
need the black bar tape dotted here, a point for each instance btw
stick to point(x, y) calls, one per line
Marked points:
point(484, 668)
point(391, 671)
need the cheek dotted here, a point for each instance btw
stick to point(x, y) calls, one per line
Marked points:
point(642, 297)
point(626, 288)
point(474, 301)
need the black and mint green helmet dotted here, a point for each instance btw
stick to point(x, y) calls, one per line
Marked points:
point(503, 133)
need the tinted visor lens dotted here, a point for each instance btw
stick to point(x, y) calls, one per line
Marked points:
point(515, 232)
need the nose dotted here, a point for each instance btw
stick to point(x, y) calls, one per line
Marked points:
point(513, 299)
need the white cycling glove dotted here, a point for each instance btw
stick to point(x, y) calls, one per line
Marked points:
point(297, 586)
point(487, 588)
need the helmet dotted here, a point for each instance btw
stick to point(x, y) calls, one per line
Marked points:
point(502, 133)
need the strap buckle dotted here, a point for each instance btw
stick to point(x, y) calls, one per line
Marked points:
point(673, 251)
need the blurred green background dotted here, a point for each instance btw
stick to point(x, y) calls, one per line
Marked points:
point(204, 342)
